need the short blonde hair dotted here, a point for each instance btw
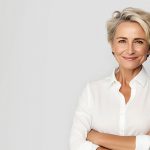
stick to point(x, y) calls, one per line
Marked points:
point(129, 14)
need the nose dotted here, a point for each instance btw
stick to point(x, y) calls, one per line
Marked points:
point(130, 48)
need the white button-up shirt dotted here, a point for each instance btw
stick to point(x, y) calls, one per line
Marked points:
point(102, 107)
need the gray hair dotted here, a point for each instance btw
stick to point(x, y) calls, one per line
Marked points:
point(129, 14)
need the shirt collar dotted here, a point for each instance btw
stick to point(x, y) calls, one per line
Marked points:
point(141, 78)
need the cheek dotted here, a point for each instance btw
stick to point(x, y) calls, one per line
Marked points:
point(142, 52)
point(118, 50)
point(143, 59)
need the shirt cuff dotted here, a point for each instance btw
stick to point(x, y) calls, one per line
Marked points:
point(142, 142)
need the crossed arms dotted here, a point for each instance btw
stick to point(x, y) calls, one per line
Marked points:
point(109, 141)
point(83, 138)
point(112, 142)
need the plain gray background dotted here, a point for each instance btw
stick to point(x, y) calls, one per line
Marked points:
point(49, 50)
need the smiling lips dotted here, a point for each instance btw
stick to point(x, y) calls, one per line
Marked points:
point(130, 58)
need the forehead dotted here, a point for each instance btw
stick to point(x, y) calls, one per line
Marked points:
point(129, 30)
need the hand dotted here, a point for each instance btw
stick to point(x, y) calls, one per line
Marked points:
point(93, 136)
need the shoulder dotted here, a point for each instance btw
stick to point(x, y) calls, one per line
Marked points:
point(148, 78)
point(100, 83)
point(144, 76)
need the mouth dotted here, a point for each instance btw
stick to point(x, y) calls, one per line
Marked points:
point(129, 58)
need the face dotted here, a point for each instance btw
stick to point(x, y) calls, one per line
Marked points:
point(130, 45)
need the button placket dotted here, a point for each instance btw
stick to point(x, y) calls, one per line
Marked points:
point(122, 115)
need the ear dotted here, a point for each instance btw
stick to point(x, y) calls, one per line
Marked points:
point(112, 47)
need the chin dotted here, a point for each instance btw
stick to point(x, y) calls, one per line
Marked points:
point(130, 67)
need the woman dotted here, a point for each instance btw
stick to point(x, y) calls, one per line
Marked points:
point(113, 113)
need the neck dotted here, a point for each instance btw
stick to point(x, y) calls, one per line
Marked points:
point(124, 76)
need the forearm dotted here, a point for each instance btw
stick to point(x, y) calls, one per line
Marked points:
point(115, 142)
point(111, 141)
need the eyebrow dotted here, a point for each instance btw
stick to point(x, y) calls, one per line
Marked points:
point(121, 37)
point(134, 39)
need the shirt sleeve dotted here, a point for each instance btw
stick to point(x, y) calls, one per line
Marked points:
point(142, 142)
point(82, 122)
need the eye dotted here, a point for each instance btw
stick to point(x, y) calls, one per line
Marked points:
point(122, 41)
point(139, 42)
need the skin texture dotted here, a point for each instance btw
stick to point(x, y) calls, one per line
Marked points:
point(130, 48)
point(110, 141)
